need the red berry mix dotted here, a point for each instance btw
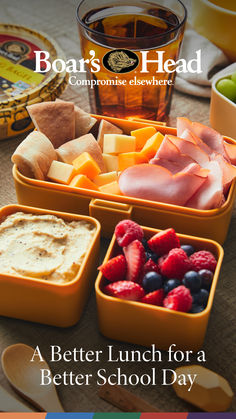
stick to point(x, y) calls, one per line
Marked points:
point(115, 269)
point(158, 271)
point(135, 257)
point(151, 266)
point(164, 241)
point(179, 299)
point(126, 290)
point(126, 231)
point(203, 260)
point(175, 264)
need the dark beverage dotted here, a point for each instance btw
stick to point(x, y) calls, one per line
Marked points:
point(137, 27)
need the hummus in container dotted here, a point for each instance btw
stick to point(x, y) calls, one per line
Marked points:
point(43, 246)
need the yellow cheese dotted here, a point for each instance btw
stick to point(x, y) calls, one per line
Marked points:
point(142, 135)
point(111, 162)
point(82, 181)
point(112, 188)
point(61, 172)
point(152, 145)
point(130, 159)
point(86, 165)
point(105, 178)
point(118, 143)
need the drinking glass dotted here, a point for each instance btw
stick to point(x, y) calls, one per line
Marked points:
point(127, 39)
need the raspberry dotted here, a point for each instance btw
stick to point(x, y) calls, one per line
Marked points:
point(155, 298)
point(115, 269)
point(179, 299)
point(164, 241)
point(126, 290)
point(150, 266)
point(203, 260)
point(127, 231)
point(175, 264)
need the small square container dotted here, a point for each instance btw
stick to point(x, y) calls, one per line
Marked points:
point(110, 209)
point(222, 109)
point(42, 301)
point(146, 324)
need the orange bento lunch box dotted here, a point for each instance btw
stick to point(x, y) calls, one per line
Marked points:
point(146, 324)
point(46, 302)
point(110, 209)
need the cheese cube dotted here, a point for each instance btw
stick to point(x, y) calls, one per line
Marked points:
point(118, 143)
point(111, 162)
point(105, 178)
point(152, 145)
point(142, 135)
point(61, 172)
point(82, 181)
point(112, 188)
point(130, 159)
point(86, 165)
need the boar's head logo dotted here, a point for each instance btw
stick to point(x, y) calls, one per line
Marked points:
point(120, 61)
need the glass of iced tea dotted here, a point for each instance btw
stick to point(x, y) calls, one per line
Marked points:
point(125, 45)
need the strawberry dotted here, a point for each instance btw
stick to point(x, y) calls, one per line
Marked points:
point(126, 290)
point(164, 241)
point(150, 266)
point(115, 269)
point(127, 231)
point(135, 258)
point(179, 299)
point(155, 298)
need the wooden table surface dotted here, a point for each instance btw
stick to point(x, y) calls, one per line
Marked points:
point(57, 18)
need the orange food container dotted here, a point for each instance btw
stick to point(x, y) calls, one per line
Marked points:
point(43, 301)
point(146, 324)
point(110, 209)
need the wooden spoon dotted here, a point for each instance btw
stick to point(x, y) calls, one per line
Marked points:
point(25, 377)
point(9, 403)
point(124, 399)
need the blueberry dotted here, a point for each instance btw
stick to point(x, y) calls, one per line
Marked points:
point(170, 284)
point(192, 281)
point(145, 244)
point(189, 250)
point(206, 277)
point(152, 281)
point(151, 255)
point(201, 297)
point(196, 309)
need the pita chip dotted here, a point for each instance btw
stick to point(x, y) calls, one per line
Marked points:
point(106, 127)
point(69, 151)
point(83, 120)
point(54, 119)
point(34, 155)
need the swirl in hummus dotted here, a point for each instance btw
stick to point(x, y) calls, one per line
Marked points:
point(43, 246)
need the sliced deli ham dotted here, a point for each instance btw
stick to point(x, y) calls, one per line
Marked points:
point(229, 171)
point(212, 138)
point(167, 150)
point(190, 136)
point(190, 149)
point(210, 195)
point(156, 183)
point(231, 151)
